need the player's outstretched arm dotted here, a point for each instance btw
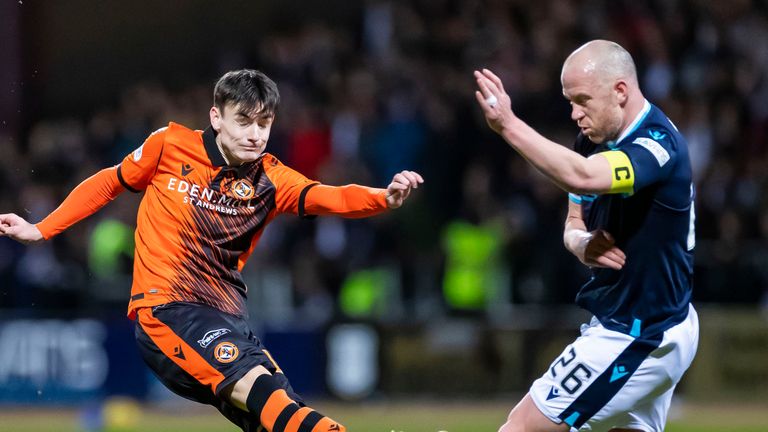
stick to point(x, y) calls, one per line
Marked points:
point(593, 248)
point(400, 188)
point(569, 170)
point(84, 200)
point(356, 201)
point(17, 228)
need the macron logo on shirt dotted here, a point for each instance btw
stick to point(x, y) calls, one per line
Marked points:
point(618, 373)
point(553, 393)
point(186, 169)
point(657, 135)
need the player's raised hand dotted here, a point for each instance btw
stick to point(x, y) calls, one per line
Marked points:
point(598, 249)
point(15, 227)
point(494, 100)
point(401, 186)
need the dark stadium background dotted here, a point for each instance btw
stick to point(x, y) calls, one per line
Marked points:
point(467, 291)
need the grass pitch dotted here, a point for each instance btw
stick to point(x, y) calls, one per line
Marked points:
point(413, 416)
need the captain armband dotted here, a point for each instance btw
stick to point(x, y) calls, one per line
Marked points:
point(622, 174)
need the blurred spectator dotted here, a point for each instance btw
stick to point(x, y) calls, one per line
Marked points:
point(392, 88)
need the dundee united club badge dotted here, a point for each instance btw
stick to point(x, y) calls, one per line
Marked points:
point(226, 352)
point(241, 189)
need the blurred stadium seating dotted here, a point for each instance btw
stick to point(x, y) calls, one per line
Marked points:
point(370, 88)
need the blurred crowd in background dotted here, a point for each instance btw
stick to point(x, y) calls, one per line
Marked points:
point(392, 91)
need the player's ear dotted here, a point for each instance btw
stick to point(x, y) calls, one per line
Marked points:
point(215, 115)
point(621, 90)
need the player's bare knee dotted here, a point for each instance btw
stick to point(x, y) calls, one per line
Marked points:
point(237, 393)
point(520, 425)
point(526, 417)
point(512, 426)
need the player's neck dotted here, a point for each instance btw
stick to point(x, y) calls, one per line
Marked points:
point(633, 108)
point(227, 158)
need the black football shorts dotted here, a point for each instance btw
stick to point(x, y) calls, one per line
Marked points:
point(197, 351)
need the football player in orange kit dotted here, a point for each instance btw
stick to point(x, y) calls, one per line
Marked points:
point(207, 197)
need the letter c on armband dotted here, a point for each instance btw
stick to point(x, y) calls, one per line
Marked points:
point(622, 174)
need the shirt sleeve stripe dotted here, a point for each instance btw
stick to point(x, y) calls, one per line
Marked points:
point(123, 182)
point(576, 199)
point(302, 198)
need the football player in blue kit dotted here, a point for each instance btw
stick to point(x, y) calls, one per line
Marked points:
point(631, 220)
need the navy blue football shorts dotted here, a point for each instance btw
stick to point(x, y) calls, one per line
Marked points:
point(197, 351)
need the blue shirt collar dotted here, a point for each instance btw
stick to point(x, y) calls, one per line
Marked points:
point(632, 126)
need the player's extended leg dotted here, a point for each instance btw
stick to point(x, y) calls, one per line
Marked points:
point(212, 357)
point(526, 417)
point(261, 394)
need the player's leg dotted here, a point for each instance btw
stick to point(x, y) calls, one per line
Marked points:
point(228, 367)
point(181, 382)
point(633, 412)
point(590, 374)
point(264, 396)
point(173, 376)
point(526, 417)
point(177, 377)
point(645, 399)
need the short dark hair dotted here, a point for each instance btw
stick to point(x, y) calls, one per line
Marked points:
point(250, 90)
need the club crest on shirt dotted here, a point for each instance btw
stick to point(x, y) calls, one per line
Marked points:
point(226, 352)
point(241, 189)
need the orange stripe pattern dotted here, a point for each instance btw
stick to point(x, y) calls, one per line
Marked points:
point(276, 403)
point(296, 419)
point(198, 222)
point(282, 414)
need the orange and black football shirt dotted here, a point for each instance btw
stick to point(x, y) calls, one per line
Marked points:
point(200, 219)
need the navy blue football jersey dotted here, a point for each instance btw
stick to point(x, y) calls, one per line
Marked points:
point(653, 224)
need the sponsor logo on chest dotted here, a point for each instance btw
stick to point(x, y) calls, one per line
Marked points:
point(238, 197)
